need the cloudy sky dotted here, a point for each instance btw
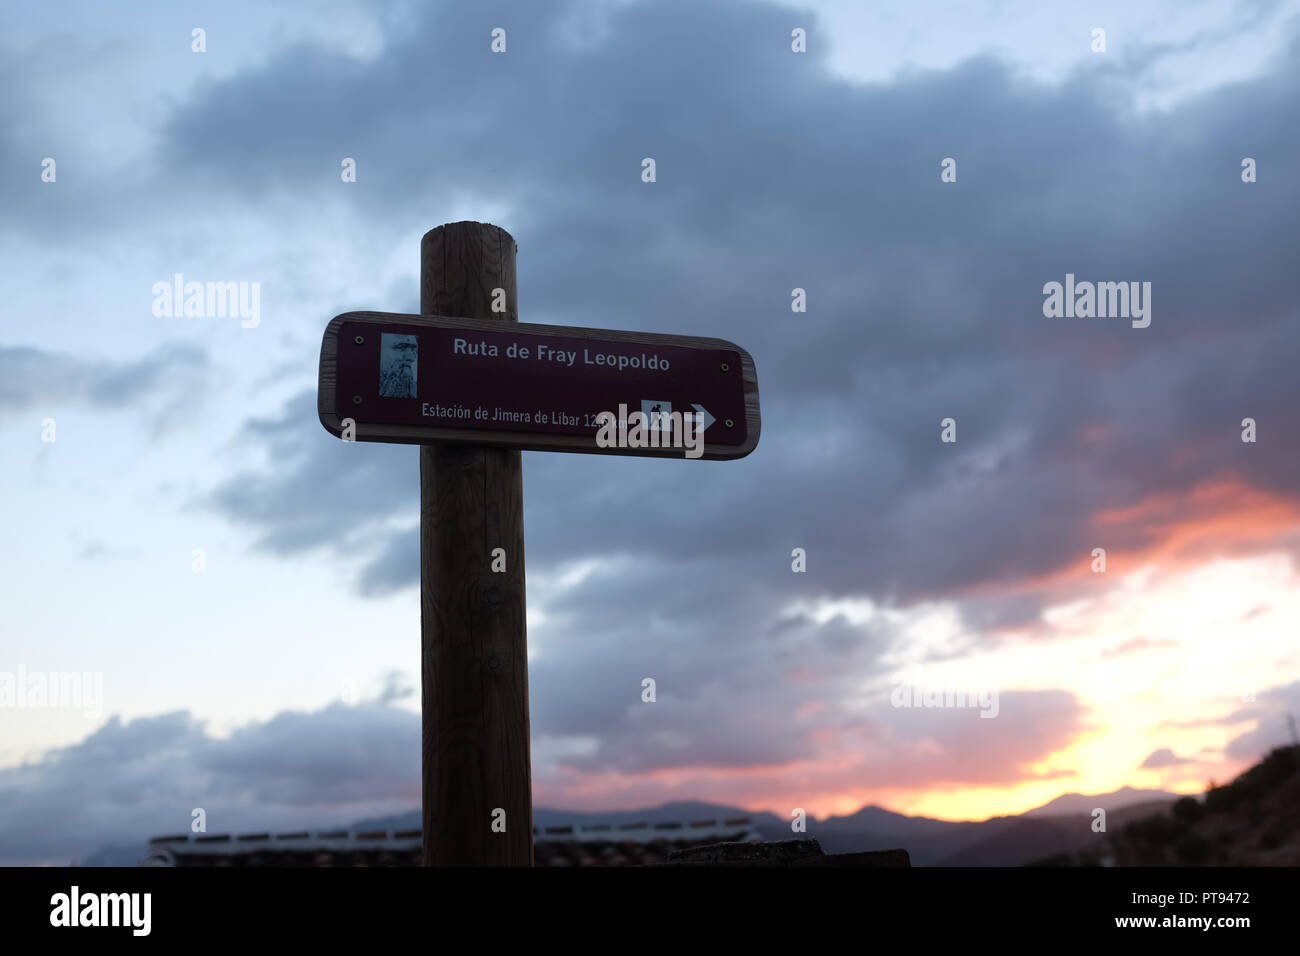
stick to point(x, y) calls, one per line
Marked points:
point(278, 685)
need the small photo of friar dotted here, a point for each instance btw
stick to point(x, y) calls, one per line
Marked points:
point(397, 360)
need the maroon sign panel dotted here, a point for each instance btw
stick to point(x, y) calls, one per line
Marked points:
point(406, 378)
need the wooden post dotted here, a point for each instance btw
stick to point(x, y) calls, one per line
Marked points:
point(474, 645)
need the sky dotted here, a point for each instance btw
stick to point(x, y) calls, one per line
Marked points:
point(243, 588)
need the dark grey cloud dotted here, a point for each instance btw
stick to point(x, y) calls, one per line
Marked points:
point(31, 377)
point(1270, 726)
point(164, 389)
point(925, 298)
point(130, 780)
point(397, 565)
point(321, 490)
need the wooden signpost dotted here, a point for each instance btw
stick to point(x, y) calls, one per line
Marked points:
point(472, 386)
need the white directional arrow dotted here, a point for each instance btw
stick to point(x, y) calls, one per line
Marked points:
point(705, 417)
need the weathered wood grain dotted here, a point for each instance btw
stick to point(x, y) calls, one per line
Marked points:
point(474, 645)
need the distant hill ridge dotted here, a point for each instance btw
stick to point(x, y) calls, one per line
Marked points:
point(999, 841)
point(1059, 826)
point(1080, 803)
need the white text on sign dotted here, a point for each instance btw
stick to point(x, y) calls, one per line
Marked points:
point(546, 353)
